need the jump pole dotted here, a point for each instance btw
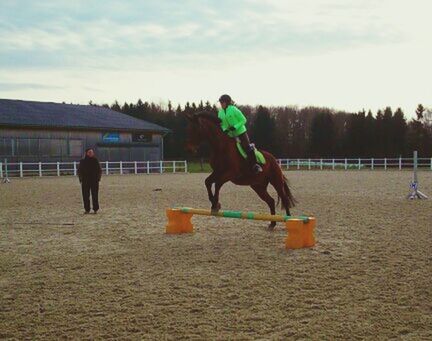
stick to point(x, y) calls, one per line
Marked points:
point(415, 193)
point(300, 228)
point(6, 179)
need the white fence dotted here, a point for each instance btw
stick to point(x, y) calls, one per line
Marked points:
point(22, 169)
point(359, 164)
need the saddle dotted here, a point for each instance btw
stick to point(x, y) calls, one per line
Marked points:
point(259, 156)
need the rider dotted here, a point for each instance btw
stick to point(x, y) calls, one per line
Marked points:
point(233, 124)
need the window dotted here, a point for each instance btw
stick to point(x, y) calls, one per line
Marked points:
point(54, 147)
point(58, 147)
point(33, 147)
point(5, 146)
point(75, 148)
point(22, 147)
point(44, 147)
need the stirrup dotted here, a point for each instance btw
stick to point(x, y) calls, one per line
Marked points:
point(257, 169)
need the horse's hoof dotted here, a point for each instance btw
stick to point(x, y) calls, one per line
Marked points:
point(271, 226)
point(215, 209)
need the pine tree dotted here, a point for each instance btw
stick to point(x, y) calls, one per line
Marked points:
point(116, 106)
point(399, 128)
point(419, 112)
point(322, 135)
point(263, 129)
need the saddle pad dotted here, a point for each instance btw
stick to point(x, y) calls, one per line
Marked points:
point(259, 156)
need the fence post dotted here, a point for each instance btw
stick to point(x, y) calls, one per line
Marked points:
point(58, 168)
point(359, 164)
point(121, 167)
point(174, 166)
point(106, 168)
point(309, 164)
point(333, 164)
point(431, 164)
point(288, 163)
point(346, 164)
point(298, 163)
point(136, 167)
point(186, 166)
point(6, 169)
point(148, 167)
point(40, 168)
point(385, 163)
point(74, 168)
point(400, 162)
point(372, 163)
point(160, 167)
point(21, 170)
point(1, 170)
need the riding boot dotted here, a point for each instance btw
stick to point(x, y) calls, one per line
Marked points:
point(250, 152)
point(252, 160)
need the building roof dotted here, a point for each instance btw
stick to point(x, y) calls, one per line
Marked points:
point(19, 113)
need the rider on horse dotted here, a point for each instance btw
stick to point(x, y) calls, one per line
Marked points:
point(233, 123)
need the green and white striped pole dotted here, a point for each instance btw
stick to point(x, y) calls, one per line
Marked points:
point(6, 179)
point(242, 215)
point(415, 193)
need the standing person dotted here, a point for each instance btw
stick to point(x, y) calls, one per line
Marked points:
point(233, 123)
point(89, 173)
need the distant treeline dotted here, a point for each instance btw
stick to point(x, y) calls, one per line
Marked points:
point(290, 132)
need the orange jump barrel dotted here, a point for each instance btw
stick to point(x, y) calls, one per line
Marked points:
point(300, 228)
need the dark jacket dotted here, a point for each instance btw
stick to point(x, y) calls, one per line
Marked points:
point(89, 170)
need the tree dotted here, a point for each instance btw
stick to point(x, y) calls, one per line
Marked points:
point(369, 135)
point(399, 128)
point(263, 129)
point(419, 112)
point(322, 135)
point(116, 106)
point(418, 137)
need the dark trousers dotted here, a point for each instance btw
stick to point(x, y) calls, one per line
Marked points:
point(92, 187)
point(250, 151)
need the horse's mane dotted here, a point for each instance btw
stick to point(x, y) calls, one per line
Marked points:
point(207, 116)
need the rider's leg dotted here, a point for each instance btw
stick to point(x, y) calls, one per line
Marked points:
point(250, 151)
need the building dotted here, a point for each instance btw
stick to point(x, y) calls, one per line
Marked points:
point(49, 132)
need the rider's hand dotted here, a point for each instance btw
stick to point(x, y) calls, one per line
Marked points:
point(232, 129)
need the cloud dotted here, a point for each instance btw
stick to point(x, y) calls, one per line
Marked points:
point(6, 86)
point(344, 53)
point(85, 35)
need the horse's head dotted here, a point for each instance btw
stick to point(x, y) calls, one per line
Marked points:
point(201, 127)
point(194, 136)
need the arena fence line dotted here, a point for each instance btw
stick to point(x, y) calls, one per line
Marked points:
point(24, 169)
point(355, 163)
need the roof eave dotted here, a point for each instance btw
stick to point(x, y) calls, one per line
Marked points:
point(162, 130)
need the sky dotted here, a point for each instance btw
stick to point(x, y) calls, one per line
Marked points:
point(344, 54)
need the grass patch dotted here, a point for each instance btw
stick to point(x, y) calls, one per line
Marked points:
point(195, 167)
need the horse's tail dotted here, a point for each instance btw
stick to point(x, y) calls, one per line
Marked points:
point(291, 200)
point(281, 184)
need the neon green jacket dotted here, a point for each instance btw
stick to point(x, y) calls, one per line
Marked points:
point(233, 122)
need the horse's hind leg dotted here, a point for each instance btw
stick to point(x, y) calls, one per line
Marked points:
point(209, 181)
point(216, 206)
point(261, 190)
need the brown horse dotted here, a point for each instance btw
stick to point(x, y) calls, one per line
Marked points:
point(229, 165)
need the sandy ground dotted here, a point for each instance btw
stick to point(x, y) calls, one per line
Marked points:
point(117, 275)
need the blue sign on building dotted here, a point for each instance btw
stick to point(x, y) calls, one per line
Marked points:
point(111, 137)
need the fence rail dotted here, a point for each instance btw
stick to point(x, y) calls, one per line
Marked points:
point(359, 164)
point(22, 169)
